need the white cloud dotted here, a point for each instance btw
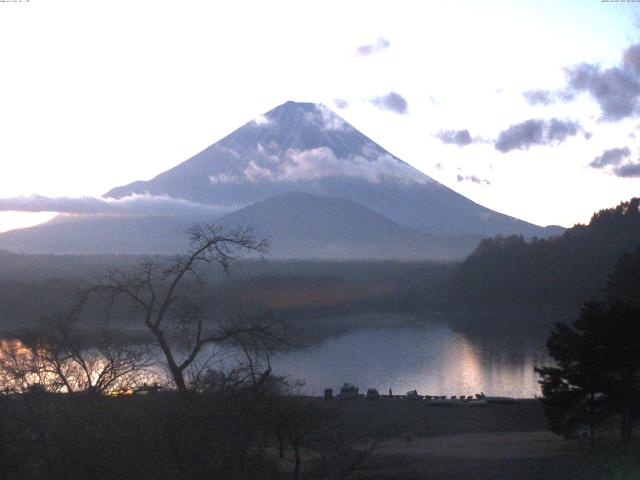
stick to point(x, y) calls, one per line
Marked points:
point(262, 120)
point(326, 119)
point(371, 48)
point(222, 177)
point(371, 164)
point(228, 150)
point(134, 205)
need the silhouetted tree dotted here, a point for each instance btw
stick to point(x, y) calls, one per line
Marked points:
point(623, 285)
point(598, 365)
point(573, 389)
point(59, 356)
point(170, 296)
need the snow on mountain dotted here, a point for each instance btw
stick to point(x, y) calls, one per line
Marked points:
point(305, 147)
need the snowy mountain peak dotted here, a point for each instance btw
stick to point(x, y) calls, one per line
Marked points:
point(283, 149)
point(308, 148)
point(297, 114)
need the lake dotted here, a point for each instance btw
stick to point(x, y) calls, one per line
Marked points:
point(430, 356)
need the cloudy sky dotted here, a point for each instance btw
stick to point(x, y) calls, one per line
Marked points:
point(529, 108)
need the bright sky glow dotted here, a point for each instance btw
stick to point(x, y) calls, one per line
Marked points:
point(98, 94)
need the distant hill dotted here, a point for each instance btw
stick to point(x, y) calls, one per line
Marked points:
point(561, 271)
point(301, 225)
point(103, 234)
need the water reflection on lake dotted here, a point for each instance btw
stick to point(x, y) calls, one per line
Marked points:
point(433, 358)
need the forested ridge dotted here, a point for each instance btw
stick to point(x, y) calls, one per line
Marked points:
point(561, 271)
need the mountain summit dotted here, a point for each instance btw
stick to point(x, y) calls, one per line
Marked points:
point(294, 147)
point(306, 147)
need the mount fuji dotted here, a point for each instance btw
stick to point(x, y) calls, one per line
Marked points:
point(303, 176)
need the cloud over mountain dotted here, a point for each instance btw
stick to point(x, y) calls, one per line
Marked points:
point(324, 118)
point(295, 165)
point(132, 205)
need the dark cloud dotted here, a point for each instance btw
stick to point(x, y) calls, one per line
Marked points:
point(523, 135)
point(617, 159)
point(539, 97)
point(472, 178)
point(370, 49)
point(340, 103)
point(456, 137)
point(134, 205)
point(566, 95)
point(392, 101)
point(548, 97)
point(559, 130)
point(613, 156)
point(616, 89)
point(629, 170)
point(631, 59)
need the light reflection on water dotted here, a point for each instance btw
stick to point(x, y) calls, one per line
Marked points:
point(432, 358)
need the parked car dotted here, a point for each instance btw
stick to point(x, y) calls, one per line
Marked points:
point(412, 395)
point(372, 394)
point(348, 392)
point(147, 389)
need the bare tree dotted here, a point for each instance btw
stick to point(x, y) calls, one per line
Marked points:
point(92, 360)
point(170, 296)
point(18, 367)
point(251, 342)
point(59, 356)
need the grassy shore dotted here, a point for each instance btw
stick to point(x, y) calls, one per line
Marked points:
point(165, 437)
point(495, 441)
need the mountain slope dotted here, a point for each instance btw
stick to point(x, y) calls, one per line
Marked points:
point(301, 225)
point(305, 147)
point(89, 234)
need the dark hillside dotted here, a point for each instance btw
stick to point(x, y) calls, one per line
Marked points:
point(562, 271)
